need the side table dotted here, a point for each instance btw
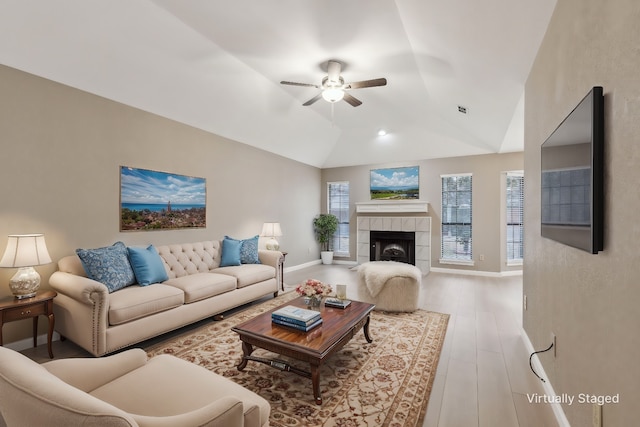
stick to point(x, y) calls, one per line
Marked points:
point(12, 309)
point(284, 256)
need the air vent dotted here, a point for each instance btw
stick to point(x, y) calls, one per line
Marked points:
point(462, 109)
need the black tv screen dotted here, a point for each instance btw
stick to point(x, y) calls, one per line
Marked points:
point(572, 177)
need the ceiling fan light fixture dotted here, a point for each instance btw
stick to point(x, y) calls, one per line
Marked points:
point(333, 86)
point(333, 94)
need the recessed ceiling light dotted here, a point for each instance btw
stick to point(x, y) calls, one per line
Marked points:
point(382, 132)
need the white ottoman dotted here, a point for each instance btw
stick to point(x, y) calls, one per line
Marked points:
point(390, 285)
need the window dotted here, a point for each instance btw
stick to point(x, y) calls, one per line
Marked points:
point(456, 238)
point(515, 217)
point(338, 203)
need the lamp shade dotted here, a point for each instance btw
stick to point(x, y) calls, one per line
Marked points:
point(25, 250)
point(271, 229)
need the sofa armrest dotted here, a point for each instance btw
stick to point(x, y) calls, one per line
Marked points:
point(272, 258)
point(81, 309)
point(79, 288)
point(88, 374)
point(225, 412)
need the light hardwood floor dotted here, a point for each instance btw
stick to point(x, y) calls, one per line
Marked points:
point(483, 376)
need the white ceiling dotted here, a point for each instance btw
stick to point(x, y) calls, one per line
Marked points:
point(216, 65)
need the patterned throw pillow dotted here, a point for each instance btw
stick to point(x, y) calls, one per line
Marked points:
point(109, 265)
point(248, 250)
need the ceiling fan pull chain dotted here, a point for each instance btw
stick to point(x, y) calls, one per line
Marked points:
point(332, 122)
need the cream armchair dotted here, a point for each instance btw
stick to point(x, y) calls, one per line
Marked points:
point(125, 389)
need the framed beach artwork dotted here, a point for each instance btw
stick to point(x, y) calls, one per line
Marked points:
point(395, 183)
point(152, 200)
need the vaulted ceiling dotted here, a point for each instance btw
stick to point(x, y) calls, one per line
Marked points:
point(217, 65)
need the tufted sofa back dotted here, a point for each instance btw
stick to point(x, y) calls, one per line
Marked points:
point(190, 258)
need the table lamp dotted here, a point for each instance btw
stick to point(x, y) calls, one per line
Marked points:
point(271, 230)
point(24, 251)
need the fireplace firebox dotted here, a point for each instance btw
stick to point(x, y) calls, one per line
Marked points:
point(393, 246)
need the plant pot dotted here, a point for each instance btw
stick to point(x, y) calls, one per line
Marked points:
point(327, 257)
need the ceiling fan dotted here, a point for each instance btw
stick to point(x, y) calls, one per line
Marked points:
point(334, 88)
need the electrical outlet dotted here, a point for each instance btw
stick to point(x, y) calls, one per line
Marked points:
point(524, 302)
point(597, 415)
point(555, 344)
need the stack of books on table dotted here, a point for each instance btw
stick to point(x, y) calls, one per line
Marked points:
point(296, 317)
point(337, 302)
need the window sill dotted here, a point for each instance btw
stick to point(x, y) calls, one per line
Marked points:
point(515, 263)
point(457, 262)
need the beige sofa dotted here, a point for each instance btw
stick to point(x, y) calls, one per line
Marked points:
point(197, 288)
point(124, 389)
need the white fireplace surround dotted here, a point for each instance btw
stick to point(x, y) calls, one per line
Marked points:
point(393, 206)
point(371, 218)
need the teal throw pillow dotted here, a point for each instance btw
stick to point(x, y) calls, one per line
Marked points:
point(147, 265)
point(230, 252)
point(248, 250)
point(109, 265)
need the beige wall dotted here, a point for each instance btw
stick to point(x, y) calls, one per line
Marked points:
point(487, 207)
point(588, 301)
point(61, 153)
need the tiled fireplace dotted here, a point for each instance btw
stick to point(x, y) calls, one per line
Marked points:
point(392, 246)
point(403, 219)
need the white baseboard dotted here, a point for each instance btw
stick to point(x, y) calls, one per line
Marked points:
point(477, 272)
point(301, 266)
point(316, 262)
point(28, 342)
point(561, 418)
point(434, 269)
point(345, 262)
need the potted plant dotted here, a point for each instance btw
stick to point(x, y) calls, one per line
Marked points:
point(325, 226)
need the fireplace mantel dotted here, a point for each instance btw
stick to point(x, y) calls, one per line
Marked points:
point(393, 206)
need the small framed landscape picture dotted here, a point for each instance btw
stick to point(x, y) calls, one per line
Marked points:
point(152, 200)
point(395, 183)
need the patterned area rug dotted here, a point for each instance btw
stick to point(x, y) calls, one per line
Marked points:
point(385, 383)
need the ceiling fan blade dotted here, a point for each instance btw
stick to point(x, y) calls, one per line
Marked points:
point(352, 100)
point(366, 83)
point(284, 82)
point(312, 100)
point(333, 71)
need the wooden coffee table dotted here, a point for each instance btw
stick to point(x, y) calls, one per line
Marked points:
point(338, 327)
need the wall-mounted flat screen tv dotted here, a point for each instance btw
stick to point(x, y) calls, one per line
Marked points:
point(572, 177)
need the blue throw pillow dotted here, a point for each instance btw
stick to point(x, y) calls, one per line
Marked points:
point(230, 252)
point(147, 265)
point(248, 250)
point(109, 265)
